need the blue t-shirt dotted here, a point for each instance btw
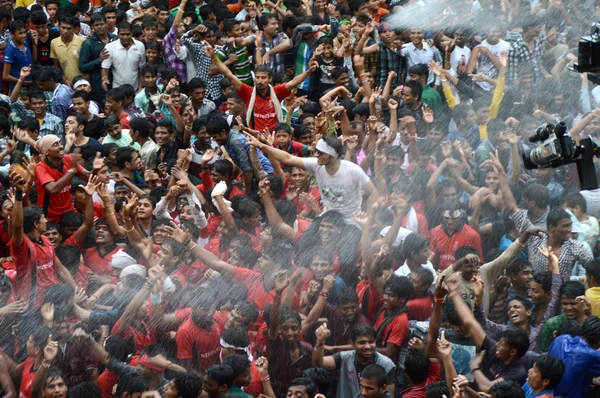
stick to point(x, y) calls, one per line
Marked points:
point(18, 58)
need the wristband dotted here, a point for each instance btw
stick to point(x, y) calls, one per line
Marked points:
point(19, 195)
point(265, 379)
point(155, 298)
point(439, 300)
point(323, 294)
point(193, 247)
point(475, 370)
point(130, 230)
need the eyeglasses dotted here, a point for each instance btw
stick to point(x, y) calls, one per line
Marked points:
point(452, 214)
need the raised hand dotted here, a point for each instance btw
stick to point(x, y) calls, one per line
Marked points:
point(131, 206)
point(281, 281)
point(444, 347)
point(262, 365)
point(322, 333)
point(551, 256)
point(16, 307)
point(503, 58)
point(427, 114)
point(25, 72)
point(179, 234)
point(436, 68)
point(446, 149)
point(51, 350)
point(98, 162)
point(208, 49)
point(264, 187)
point(328, 283)
point(352, 142)
point(392, 104)
point(92, 185)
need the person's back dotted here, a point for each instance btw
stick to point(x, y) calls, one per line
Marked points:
point(580, 357)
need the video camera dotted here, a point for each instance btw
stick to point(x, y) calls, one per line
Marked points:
point(558, 148)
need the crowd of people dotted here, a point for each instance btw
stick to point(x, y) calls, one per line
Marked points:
point(300, 198)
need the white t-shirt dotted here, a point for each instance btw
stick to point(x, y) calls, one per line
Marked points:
point(402, 234)
point(405, 271)
point(592, 200)
point(486, 66)
point(459, 59)
point(342, 191)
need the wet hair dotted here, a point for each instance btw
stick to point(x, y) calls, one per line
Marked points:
point(451, 314)
point(13, 26)
point(248, 310)
point(590, 331)
point(38, 17)
point(416, 88)
point(334, 217)
point(517, 339)
point(320, 377)
point(412, 243)
point(131, 383)
point(311, 387)
point(424, 275)
point(188, 385)
point(378, 373)
point(87, 389)
point(523, 300)
point(216, 124)
point(592, 269)
point(437, 390)
point(287, 210)
point(276, 185)
point(31, 216)
point(555, 215)
point(551, 368)
point(572, 289)
point(346, 295)
point(506, 389)
point(236, 336)
point(40, 336)
point(283, 127)
point(149, 69)
point(222, 374)
point(570, 327)
point(238, 364)
point(29, 123)
point(543, 278)
point(116, 94)
point(69, 256)
point(54, 373)
point(300, 131)
point(517, 266)
point(537, 193)
point(416, 365)
point(310, 108)
point(336, 144)
point(362, 329)
point(575, 199)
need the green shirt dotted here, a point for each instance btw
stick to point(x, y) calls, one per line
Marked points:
point(431, 98)
point(550, 326)
point(241, 68)
point(237, 392)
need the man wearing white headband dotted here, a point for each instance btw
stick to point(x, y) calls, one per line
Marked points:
point(341, 183)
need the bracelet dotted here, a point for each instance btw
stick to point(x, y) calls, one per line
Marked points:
point(439, 300)
point(130, 230)
point(112, 213)
point(475, 370)
point(146, 286)
point(443, 80)
point(45, 365)
point(323, 294)
point(95, 296)
point(265, 379)
point(193, 247)
point(18, 195)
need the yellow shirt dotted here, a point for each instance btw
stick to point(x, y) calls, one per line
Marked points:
point(23, 3)
point(593, 294)
point(67, 56)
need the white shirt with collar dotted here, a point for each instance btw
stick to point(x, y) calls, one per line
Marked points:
point(125, 64)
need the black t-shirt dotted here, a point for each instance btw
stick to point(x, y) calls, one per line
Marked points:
point(95, 128)
point(495, 368)
point(43, 49)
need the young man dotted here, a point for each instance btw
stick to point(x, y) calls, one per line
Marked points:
point(580, 357)
point(53, 177)
point(362, 354)
point(502, 360)
point(115, 134)
point(115, 104)
point(218, 380)
point(139, 130)
point(32, 251)
point(238, 148)
point(390, 60)
point(49, 123)
point(418, 51)
point(263, 102)
point(75, 126)
point(61, 93)
point(197, 89)
point(241, 374)
point(93, 54)
point(39, 20)
point(373, 382)
point(64, 50)
point(129, 162)
point(81, 104)
point(17, 54)
point(340, 182)
point(126, 57)
point(547, 372)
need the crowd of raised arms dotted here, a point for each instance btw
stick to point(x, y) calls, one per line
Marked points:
point(295, 198)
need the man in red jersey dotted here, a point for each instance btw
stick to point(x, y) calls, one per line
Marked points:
point(33, 254)
point(53, 177)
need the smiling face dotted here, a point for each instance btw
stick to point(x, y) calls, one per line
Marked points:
point(537, 294)
point(503, 349)
point(320, 268)
point(145, 209)
point(569, 307)
point(55, 388)
point(162, 136)
point(54, 236)
point(364, 347)
point(517, 313)
point(328, 232)
point(38, 106)
point(290, 331)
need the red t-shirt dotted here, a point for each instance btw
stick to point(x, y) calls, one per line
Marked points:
point(256, 291)
point(445, 247)
point(255, 388)
point(396, 331)
point(264, 109)
point(206, 344)
point(418, 390)
point(27, 376)
point(374, 301)
point(81, 279)
point(27, 256)
point(125, 119)
point(192, 272)
point(210, 231)
point(420, 309)
point(109, 379)
point(142, 340)
point(62, 202)
point(97, 263)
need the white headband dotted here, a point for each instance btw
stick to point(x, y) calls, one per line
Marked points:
point(324, 147)
point(245, 349)
point(81, 82)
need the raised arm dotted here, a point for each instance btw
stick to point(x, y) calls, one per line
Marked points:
point(318, 357)
point(275, 220)
point(464, 312)
point(282, 156)
point(281, 282)
point(235, 82)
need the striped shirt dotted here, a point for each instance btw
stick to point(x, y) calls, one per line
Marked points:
point(241, 68)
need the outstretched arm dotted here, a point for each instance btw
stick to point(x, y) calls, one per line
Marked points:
point(235, 82)
point(463, 310)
